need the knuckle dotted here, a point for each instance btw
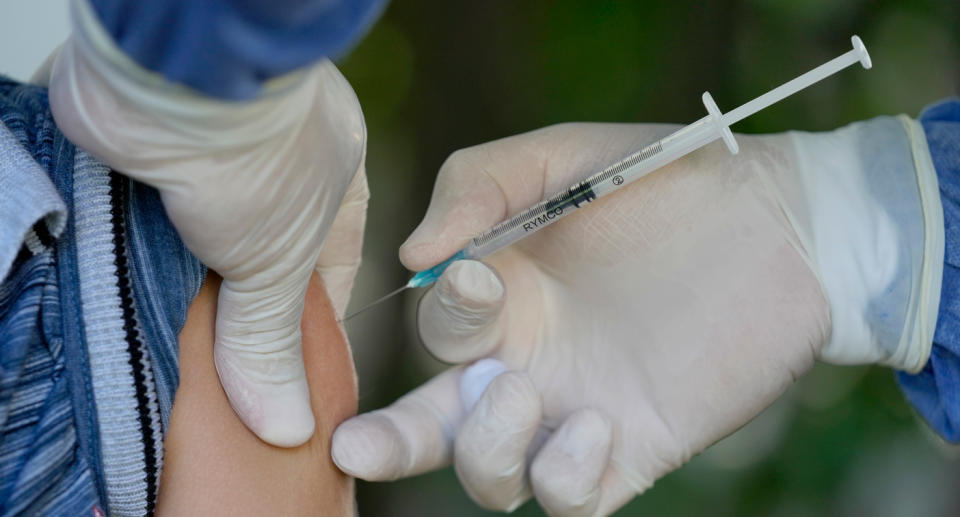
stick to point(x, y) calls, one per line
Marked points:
point(593, 423)
point(567, 483)
point(562, 492)
point(457, 164)
point(514, 396)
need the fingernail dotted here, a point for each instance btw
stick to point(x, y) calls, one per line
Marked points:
point(474, 282)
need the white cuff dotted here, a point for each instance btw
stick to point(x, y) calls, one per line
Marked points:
point(875, 232)
point(917, 339)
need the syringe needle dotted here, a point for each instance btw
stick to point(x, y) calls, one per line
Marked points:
point(365, 307)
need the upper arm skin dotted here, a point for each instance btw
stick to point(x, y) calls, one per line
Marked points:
point(213, 465)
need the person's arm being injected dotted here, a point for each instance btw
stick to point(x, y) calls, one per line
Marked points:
point(257, 148)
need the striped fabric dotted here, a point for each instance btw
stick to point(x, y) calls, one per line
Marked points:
point(44, 469)
point(41, 472)
point(111, 371)
point(94, 289)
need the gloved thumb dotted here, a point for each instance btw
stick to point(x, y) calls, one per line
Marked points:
point(480, 186)
point(476, 188)
point(459, 319)
point(259, 358)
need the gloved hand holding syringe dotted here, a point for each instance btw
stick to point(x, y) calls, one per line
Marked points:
point(639, 164)
point(659, 320)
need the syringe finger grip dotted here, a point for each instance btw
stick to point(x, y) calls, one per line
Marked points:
point(722, 128)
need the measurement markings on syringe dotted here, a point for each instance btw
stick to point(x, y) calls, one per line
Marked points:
point(631, 161)
point(534, 213)
point(543, 213)
point(546, 211)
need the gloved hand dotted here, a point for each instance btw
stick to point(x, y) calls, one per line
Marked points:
point(653, 322)
point(263, 192)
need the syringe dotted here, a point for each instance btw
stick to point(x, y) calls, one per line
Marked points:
point(679, 143)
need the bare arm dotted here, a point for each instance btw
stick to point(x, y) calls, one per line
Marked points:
point(215, 466)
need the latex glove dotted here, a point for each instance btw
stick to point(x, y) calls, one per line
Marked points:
point(648, 325)
point(263, 192)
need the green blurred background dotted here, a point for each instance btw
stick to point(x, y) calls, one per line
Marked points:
point(434, 76)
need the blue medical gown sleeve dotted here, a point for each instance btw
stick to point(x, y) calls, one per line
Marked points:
point(935, 391)
point(228, 48)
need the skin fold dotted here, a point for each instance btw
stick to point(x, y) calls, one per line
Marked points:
point(214, 465)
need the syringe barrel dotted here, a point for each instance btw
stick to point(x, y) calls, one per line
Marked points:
point(715, 125)
point(650, 158)
point(609, 180)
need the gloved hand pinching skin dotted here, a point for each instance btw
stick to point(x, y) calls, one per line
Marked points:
point(263, 192)
point(636, 333)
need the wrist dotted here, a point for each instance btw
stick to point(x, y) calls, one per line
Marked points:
point(873, 224)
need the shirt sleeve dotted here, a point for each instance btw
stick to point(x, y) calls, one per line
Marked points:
point(229, 48)
point(935, 390)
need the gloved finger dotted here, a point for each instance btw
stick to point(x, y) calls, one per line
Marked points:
point(490, 449)
point(411, 436)
point(340, 257)
point(567, 470)
point(615, 491)
point(259, 359)
point(483, 185)
point(475, 380)
point(459, 319)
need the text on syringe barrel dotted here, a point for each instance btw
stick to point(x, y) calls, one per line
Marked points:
point(612, 178)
